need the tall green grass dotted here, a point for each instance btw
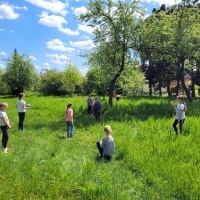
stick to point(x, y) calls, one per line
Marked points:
point(150, 161)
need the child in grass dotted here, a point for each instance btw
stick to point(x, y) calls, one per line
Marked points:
point(180, 114)
point(69, 120)
point(89, 104)
point(5, 125)
point(21, 109)
point(106, 147)
point(97, 109)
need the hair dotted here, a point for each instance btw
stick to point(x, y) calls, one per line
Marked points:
point(3, 105)
point(21, 95)
point(96, 98)
point(108, 129)
point(180, 97)
point(69, 105)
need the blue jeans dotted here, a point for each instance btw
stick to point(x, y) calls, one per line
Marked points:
point(70, 129)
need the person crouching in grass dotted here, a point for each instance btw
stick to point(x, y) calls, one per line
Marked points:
point(106, 147)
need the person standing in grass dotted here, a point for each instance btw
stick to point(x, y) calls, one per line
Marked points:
point(21, 109)
point(106, 147)
point(69, 120)
point(89, 104)
point(5, 125)
point(180, 114)
point(97, 109)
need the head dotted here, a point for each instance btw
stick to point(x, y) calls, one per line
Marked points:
point(180, 99)
point(96, 98)
point(89, 95)
point(3, 106)
point(21, 95)
point(69, 105)
point(107, 130)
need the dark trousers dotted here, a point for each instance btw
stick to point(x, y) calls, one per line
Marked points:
point(21, 120)
point(97, 115)
point(90, 109)
point(5, 136)
point(180, 126)
point(107, 157)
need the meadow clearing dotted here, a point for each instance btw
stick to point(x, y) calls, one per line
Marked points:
point(150, 161)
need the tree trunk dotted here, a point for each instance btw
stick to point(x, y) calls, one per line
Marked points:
point(168, 88)
point(113, 81)
point(160, 89)
point(192, 86)
point(150, 88)
point(183, 81)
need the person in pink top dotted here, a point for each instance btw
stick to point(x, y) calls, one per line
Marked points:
point(69, 120)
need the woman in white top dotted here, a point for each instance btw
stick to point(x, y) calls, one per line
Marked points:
point(5, 125)
point(21, 109)
point(180, 114)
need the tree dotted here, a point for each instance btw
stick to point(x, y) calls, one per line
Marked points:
point(52, 82)
point(19, 74)
point(115, 29)
point(97, 80)
point(4, 87)
point(171, 35)
point(132, 80)
point(72, 78)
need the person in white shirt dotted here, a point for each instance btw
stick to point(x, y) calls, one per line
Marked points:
point(5, 125)
point(180, 114)
point(21, 109)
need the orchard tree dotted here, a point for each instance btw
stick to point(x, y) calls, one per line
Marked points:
point(172, 35)
point(4, 87)
point(97, 80)
point(19, 74)
point(52, 82)
point(115, 24)
point(72, 78)
point(132, 80)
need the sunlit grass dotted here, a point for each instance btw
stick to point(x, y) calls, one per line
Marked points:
point(150, 161)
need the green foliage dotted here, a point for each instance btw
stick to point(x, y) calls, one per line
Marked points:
point(4, 88)
point(97, 80)
point(150, 161)
point(114, 27)
point(72, 77)
point(132, 80)
point(20, 73)
point(52, 83)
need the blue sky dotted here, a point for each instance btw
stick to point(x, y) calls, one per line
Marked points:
point(48, 31)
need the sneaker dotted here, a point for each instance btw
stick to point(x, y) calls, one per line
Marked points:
point(5, 150)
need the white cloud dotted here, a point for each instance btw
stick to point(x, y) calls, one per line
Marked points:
point(2, 53)
point(57, 22)
point(32, 58)
point(54, 6)
point(87, 44)
point(58, 45)
point(2, 29)
point(85, 28)
point(160, 2)
point(7, 12)
point(59, 59)
point(20, 8)
point(80, 10)
point(46, 64)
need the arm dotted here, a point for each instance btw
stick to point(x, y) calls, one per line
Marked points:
point(174, 105)
point(6, 122)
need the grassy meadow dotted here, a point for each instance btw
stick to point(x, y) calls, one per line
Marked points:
point(150, 161)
